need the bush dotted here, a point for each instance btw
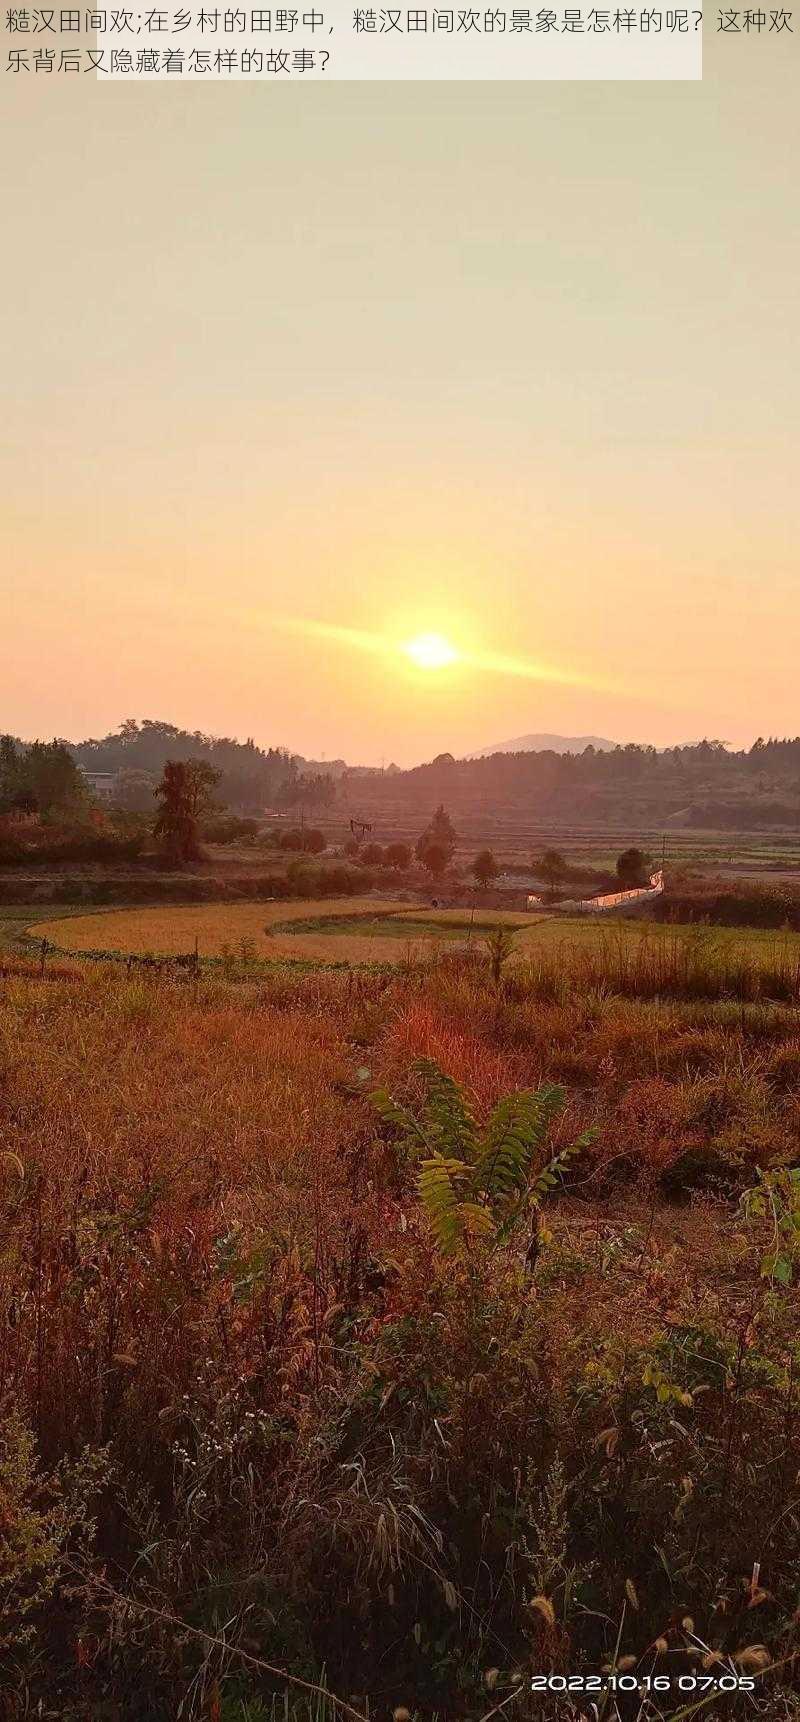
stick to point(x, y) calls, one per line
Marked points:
point(227, 828)
point(83, 845)
point(398, 856)
point(485, 867)
point(305, 842)
point(734, 905)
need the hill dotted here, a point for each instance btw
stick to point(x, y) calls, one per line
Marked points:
point(706, 786)
point(546, 744)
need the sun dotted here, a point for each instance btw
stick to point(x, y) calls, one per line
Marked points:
point(430, 651)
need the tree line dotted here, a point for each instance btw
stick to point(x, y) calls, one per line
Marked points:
point(40, 779)
point(248, 776)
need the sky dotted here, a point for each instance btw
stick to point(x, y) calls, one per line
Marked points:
point(293, 375)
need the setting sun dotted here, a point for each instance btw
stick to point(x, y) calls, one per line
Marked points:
point(430, 652)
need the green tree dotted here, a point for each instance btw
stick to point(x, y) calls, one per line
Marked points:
point(185, 793)
point(633, 868)
point(10, 781)
point(552, 868)
point(438, 835)
point(48, 779)
point(485, 868)
point(136, 791)
point(434, 859)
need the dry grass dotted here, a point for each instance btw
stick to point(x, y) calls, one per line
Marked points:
point(321, 1439)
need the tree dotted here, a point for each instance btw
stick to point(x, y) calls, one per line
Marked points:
point(372, 855)
point(42, 777)
point(10, 773)
point(398, 855)
point(485, 868)
point(552, 868)
point(136, 791)
point(434, 859)
point(310, 789)
point(51, 776)
point(185, 793)
point(633, 868)
point(440, 836)
point(252, 777)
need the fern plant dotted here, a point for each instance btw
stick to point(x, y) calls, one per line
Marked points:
point(480, 1181)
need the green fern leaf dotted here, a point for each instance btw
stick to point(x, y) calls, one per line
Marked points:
point(440, 1184)
point(391, 1112)
point(515, 1131)
point(475, 1219)
point(550, 1174)
point(447, 1120)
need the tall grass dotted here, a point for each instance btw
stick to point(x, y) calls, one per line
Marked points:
point(251, 1425)
point(695, 963)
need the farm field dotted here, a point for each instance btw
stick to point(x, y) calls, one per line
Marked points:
point(353, 929)
point(360, 931)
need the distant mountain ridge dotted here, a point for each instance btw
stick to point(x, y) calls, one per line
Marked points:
point(546, 744)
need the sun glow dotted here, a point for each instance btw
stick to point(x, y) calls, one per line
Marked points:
point(430, 651)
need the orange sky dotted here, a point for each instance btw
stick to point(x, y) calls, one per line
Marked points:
point(513, 363)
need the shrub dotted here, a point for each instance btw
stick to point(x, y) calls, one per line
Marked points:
point(733, 905)
point(227, 828)
point(479, 1184)
point(398, 856)
point(78, 846)
point(485, 867)
point(304, 841)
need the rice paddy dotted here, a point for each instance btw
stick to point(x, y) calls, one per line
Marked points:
point(360, 931)
point(354, 930)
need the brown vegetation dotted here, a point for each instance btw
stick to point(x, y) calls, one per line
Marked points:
point(246, 1399)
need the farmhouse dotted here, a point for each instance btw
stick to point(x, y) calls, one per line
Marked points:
point(101, 784)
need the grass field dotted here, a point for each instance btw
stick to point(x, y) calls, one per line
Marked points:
point(253, 1419)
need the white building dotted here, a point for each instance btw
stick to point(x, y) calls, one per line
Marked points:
point(101, 784)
